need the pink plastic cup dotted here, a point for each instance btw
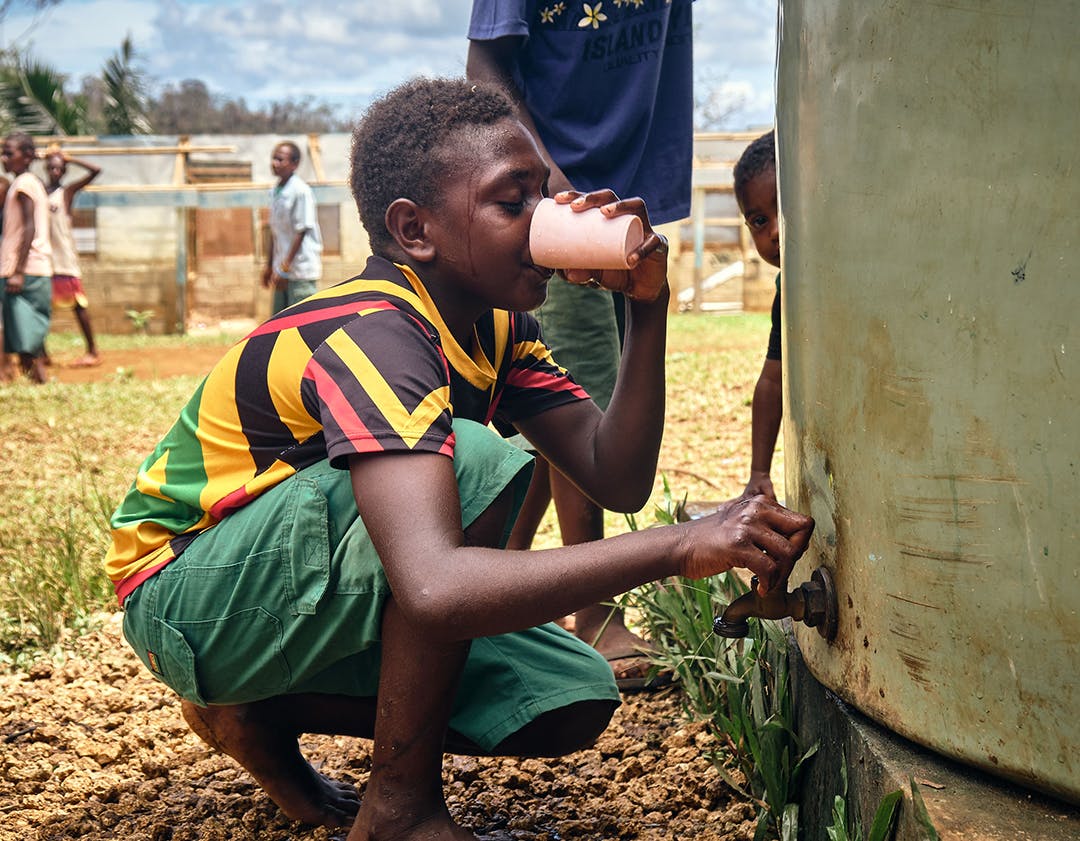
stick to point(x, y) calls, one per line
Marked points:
point(560, 238)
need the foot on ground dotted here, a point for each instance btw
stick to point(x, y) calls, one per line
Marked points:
point(628, 655)
point(439, 827)
point(89, 360)
point(273, 758)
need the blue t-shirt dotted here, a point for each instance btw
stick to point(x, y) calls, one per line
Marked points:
point(610, 87)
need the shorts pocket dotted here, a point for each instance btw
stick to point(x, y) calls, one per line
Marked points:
point(204, 663)
point(175, 662)
point(305, 546)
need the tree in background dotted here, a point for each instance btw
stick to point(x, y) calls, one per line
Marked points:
point(126, 101)
point(39, 5)
point(190, 108)
point(717, 102)
point(33, 98)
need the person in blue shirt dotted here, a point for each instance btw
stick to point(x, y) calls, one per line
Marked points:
point(606, 90)
point(294, 264)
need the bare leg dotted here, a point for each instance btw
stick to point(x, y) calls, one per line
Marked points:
point(91, 358)
point(417, 684)
point(34, 367)
point(405, 788)
point(580, 521)
point(533, 507)
point(262, 737)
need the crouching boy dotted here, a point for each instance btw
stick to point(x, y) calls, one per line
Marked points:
point(315, 545)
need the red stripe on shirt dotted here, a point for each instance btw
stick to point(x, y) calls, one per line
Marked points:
point(542, 380)
point(302, 319)
point(230, 502)
point(341, 409)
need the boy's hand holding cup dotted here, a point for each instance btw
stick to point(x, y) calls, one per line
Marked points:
point(597, 239)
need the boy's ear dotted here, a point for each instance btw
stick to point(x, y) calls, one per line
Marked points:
point(406, 222)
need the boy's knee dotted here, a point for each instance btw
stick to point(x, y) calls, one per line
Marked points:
point(560, 731)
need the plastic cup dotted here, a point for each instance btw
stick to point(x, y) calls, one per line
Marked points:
point(561, 238)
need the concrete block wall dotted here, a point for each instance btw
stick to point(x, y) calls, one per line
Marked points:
point(119, 288)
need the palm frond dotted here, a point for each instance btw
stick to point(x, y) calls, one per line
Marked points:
point(125, 108)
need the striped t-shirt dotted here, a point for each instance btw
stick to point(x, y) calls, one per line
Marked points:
point(365, 366)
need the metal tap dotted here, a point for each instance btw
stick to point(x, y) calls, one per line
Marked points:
point(812, 602)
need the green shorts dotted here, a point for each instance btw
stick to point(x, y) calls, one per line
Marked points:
point(285, 596)
point(294, 292)
point(26, 314)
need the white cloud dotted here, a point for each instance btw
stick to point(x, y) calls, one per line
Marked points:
point(343, 52)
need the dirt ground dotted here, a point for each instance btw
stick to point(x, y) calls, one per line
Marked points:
point(142, 363)
point(94, 748)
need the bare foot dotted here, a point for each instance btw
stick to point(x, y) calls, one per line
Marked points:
point(269, 752)
point(438, 827)
point(89, 360)
point(606, 631)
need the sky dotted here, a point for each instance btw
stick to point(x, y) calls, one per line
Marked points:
point(346, 54)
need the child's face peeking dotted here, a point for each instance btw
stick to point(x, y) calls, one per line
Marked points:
point(494, 179)
point(760, 212)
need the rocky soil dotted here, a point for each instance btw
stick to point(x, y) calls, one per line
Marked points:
point(91, 747)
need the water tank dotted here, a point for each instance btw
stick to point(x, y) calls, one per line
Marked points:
point(930, 214)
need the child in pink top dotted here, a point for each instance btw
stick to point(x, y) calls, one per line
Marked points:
point(25, 259)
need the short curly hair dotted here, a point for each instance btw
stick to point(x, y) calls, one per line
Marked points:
point(758, 157)
point(396, 144)
point(23, 142)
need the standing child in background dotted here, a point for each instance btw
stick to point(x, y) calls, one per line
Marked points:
point(294, 264)
point(608, 98)
point(755, 191)
point(67, 288)
point(25, 259)
point(5, 366)
point(315, 546)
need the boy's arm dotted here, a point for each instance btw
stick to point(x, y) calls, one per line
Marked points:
point(17, 281)
point(268, 269)
point(493, 61)
point(410, 506)
point(92, 172)
point(611, 456)
point(767, 411)
point(303, 219)
point(294, 249)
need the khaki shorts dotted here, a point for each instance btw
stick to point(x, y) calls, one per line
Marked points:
point(285, 596)
point(581, 327)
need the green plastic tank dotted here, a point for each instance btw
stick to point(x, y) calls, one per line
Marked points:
point(930, 217)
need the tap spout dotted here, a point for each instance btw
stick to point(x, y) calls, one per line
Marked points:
point(813, 602)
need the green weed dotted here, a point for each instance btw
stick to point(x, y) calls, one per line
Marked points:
point(740, 688)
point(883, 825)
point(140, 319)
